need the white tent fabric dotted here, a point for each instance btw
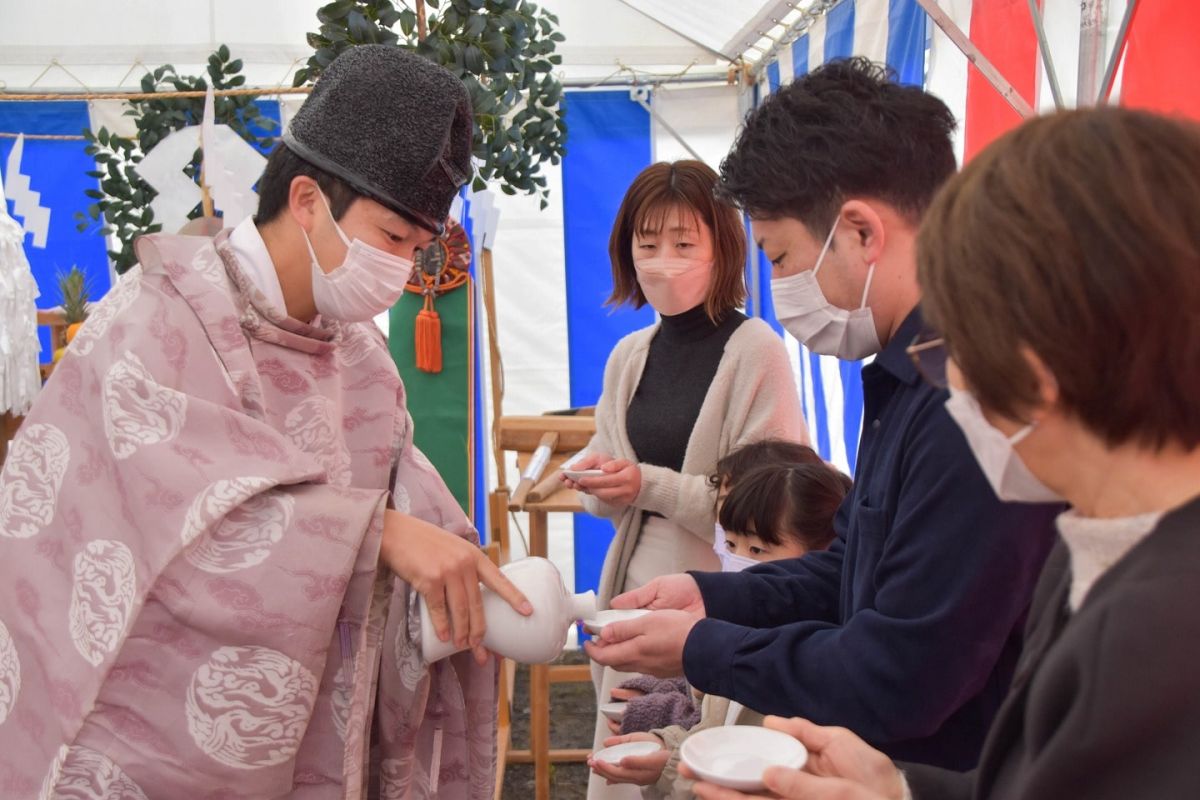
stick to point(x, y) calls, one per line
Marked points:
point(108, 45)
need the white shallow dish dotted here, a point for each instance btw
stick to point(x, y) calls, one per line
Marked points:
point(597, 623)
point(576, 474)
point(613, 755)
point(735, 756)
point(614, 711)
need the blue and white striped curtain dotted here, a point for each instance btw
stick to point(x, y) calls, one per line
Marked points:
point(891, 31)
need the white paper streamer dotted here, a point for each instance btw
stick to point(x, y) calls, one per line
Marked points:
point(231, 168)
point(162, 168)
point(20, 377)
point(27, 203)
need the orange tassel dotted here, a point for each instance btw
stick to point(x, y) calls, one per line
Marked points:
point(429, 337)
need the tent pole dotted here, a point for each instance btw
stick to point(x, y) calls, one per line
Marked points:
point(1091, 50)
point(1044, 48)
point(985, 67)
point(641, 101)
point(1110, 72)
point(706, 48)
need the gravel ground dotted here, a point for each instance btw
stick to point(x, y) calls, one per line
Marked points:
point(572, 720)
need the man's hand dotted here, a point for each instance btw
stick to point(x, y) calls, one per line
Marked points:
point(678, 592)
point(639, 770)
point(618, 486)
point(651, 644)
point(840, 766)
point(446, 570)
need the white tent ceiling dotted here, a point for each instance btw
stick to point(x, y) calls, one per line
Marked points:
point(72, 44)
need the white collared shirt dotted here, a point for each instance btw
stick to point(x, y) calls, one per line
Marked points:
point(252, 255)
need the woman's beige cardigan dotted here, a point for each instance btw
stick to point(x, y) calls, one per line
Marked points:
point(752, 397)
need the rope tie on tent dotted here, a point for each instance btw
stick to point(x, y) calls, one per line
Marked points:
point(137, 62)
point(44, 137)
point(54, 62)
point(90, 95)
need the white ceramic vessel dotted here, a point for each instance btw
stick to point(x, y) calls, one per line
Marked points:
point(614, 754)
point(736, 756)
point(614, 711)
point(595, 624)
point(536, 639)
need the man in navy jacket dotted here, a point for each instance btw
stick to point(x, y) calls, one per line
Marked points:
point(908, 628)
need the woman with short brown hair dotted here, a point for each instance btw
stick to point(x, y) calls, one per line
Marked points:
point(1062, 267)
point(679, 394)
point(658, 191)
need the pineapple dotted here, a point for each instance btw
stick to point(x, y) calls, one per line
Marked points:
point(74, 288)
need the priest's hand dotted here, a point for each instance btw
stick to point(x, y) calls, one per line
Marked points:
point(446, 570)
point(651, 644)
point(840, 766)
point(679, 592)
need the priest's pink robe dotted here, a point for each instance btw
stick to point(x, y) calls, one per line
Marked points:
point(191, 603)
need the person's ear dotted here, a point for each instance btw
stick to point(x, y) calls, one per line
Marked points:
point(866, 226)
point(1047, 385)
point(304, 202)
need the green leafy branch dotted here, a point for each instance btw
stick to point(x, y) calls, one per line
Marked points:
point(502, 50)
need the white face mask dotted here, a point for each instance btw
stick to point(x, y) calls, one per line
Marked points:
point(1002, 466)
point(673, 285)
point(367, 283)
point(730, 562)
point(801, 307)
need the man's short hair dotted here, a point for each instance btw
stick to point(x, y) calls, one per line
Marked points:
point(845, 130)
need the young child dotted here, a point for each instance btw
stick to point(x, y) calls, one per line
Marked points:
point(775, 500)
point(662, 702)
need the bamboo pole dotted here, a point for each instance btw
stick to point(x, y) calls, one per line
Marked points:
point(206, 201)
point(487, 273)
point(76, 96)
point(421, 24)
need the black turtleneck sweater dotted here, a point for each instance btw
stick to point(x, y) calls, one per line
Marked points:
point(683, 358)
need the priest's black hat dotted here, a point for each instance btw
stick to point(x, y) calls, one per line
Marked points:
point(394, 126)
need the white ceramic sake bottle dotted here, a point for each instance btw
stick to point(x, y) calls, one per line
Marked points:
point(536, 639)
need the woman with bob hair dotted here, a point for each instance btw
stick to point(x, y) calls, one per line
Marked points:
point(680, 394)
point(1062, 269)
